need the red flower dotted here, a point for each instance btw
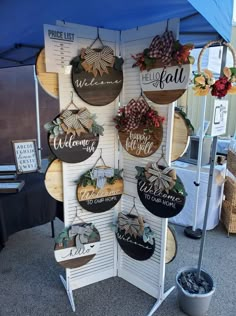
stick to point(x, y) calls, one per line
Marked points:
point(221, 87)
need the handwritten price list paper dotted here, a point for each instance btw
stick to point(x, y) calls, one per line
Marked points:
point(60, 47)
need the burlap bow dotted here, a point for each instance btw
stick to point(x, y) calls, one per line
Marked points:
point(163, 180)
point(98, 61)
point(134, 111)
point(162, 47)
point(101, 175)
point(133, 226)
point(76, 123)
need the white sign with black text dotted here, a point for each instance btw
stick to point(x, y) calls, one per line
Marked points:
point(26, 158)
point(219, 117)
point(60, 47)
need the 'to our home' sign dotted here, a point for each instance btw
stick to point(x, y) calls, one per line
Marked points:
point(164, 85)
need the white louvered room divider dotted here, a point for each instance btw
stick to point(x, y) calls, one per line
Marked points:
point(147, 275)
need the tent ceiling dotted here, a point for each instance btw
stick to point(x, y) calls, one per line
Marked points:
point(22, 22)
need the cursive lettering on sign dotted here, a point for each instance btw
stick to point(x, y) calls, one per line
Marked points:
point(96, 194)
point(139, 143)
point(158, 196)
point(86, 144)
point(93, 82)
point(128, 239)
point(169, 78)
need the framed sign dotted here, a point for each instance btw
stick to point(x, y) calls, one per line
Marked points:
point(219, 119)
point(26, 156)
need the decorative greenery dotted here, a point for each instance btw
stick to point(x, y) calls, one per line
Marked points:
point(205, 83)
point(150, 119)
point(178, 187)
point(86, 178)
point(180, 54)
point(184, 116)
point(57, 127)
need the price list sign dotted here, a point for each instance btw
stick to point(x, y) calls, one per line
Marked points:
point(60, 47)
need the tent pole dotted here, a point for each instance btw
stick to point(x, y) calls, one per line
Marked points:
point(192, 231)
point(37, 118)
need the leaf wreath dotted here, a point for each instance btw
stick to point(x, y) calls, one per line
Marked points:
point(184, 116)
point(86, 179)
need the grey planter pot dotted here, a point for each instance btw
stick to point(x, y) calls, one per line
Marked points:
point(194, 304)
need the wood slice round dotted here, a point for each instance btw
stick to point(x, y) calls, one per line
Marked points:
point(73, 148)
point(97, 200)
point(53, 180)
point(99, 90)
point(160, 203)
point(171, 245)
point(138, 143)
point(69, 256)
point(180, 140)
point(133, 246)
point(164, 85)
point(47, 80)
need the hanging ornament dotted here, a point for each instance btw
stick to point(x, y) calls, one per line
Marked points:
point(160, 190)
point(77, 244)
point(74, 134)
point(139, 127)
point(97, 74)
point(100, 188)
point(165, 68)
point(134, 236)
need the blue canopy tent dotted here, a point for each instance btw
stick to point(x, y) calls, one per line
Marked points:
point(21, 22)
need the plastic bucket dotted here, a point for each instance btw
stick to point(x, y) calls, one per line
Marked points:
point(194, 304)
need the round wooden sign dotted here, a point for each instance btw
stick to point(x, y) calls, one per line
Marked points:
point(99, 90)
point(171, 245)
point(98, 200)
point(134, 246)
point(73, 148)
point(159, 202)
point(164, 85)
point(47, 80)
point(77, 245)
point(139, 143)
point(53, 180)
point(180, 138)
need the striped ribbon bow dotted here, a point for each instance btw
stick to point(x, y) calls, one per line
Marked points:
point(163, 180)
point(100, 174)
point(76, 123)
point(132, 225)
point(134, 111)
point(162, 47)
point(98, 61)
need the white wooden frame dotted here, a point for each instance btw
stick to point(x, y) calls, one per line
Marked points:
point(122, 42)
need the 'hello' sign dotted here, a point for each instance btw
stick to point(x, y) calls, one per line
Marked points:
point(164, 85)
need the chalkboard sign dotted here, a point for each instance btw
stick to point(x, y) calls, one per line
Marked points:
point(133, 244)
point(100, 199)
point(99, 90)
point(26, 156)
point(159, 202)
point(72, 148)
point(164, 85)
point(139, 143)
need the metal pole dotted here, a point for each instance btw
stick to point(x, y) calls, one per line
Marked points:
point(37, 118)
point(209, 189)
point(192, 231)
